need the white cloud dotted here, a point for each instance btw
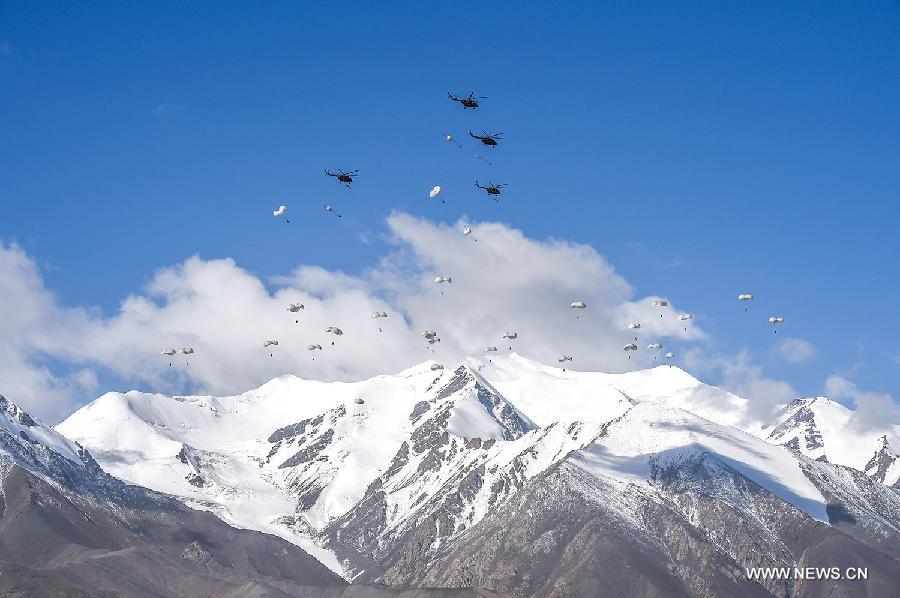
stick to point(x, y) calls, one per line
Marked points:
point(506, 281)
point(740, 375)
point(795, 350)
point(873, 410)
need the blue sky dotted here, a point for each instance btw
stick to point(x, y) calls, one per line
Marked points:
point(706, 149)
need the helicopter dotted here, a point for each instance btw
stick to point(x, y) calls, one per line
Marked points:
point(490, 140)
point(491, 188)
point(345, 177)
point(469, 102)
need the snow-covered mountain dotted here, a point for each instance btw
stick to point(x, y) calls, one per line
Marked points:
point(393, 479)
point(69, 528)
point(825, 430)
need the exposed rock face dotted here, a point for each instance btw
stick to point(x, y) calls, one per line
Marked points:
point(884, 459)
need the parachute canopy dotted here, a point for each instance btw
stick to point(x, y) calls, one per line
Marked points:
point(510, 335)
point(669, 355)
point(685, 317)
point(270, 343)
point(490, 349)
point(429, 334)
point(441, 279)
point(295, 307)
point(634, 326)
point(436, 366)
point(313, 347)
point(187, 350)
point(776, 320)
point(334, 330)
point(660, 303)
point(280, 211)
point(630, 347)
point(654, 346)
point(168, 351)
point(467, 230)
point(379, 314)
point(563, 358)
point(434, 192)
point(433, 339)
point(745, 297)
point(578, 305)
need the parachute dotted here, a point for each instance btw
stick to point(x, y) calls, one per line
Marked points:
point(359, 401)
point(187, 350)
point(510, 335)
point(272, 343)
point(379, 314)
point(669, 355)
point(432, 340)
point(313, 347)
point(660, 303)
point(434, 192)
point(564, 358)
point(436, 366)
point(685, 317)
point(775, 321)
point(578, 305)
point(168, 352)
point(295, 307)
point(328, 208)
point(429, 334)
point(745, 297)
point(280, 212)
point(335, 331)
point(630, 347)
point(490, 349)
point(441, 279)
point(654, 346)
point(634, 326)
point(468, 231)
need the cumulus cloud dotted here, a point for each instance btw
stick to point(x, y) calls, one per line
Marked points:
point(873, 410)
point(741, 376)
point(795, 350)
point(506, 281)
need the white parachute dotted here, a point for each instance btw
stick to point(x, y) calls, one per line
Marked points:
point(685, 317)
point(655, 346)
point(433, 339)
point(745, 297)
point(295, 307)
point(634, 326)
point(669, 355)
point(564, 358)
point(335, 331)
point(434, 192)
point(379, 314)
point(170, 351)
point(429, 334)
point(187, 350)
point(313, 347)
point(271, 343)
point(436, 366)
point(578, 305)
point(467, 230)
point(328, 208)
point(510, 335)
point(280, 212)
point(490, 349)
point(630, 347)
point(441, 279)
point(775, 321)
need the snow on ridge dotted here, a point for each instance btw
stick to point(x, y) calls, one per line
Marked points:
point(23, 427)
point(653, 430)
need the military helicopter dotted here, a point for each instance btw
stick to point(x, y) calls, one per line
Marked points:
point(345, 177)
point(469, 102)
point(491, 188)
point(490, 140)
